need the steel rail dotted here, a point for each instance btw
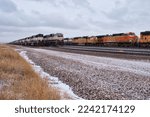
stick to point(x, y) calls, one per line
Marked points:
point(110, 50)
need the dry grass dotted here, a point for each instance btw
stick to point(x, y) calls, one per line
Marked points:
point(19, 81)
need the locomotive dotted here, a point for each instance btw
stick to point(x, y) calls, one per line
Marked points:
point(129, 39)
point(120, 39)
point(144, 40)
point(41, 40)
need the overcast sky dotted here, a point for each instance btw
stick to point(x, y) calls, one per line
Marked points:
point(21, 18)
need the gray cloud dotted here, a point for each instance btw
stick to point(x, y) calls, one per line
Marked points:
point(130, 10)
point(72, 17)
point(56, 19)
point(65, 2)
point(7, 6)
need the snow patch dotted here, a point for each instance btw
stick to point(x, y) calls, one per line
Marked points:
point(1, 84)
point(53, 81)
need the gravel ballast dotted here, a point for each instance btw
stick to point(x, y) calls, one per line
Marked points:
point(92, 77)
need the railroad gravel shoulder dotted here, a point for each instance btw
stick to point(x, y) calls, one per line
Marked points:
point(101, 54)
point(96, 77)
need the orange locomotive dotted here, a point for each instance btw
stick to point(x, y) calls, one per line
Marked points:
point(85, 40)
point(114, 40)
point(93, 40)
point(144, 39)
point(121, 39)
point(79, 40)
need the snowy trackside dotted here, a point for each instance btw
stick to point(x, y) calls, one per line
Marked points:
point(53, 81)
point(92, 77)
point(133, 66)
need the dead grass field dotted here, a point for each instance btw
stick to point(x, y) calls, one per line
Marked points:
point(19, 81)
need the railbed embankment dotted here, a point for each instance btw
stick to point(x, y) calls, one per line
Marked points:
point(95, 77)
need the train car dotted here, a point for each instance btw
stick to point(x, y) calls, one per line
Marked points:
point(34, 40)
point(21, 41)
point(25, 42)
point(53, 39)
point(30, 41)
point(121, 39)
point(37, 39)
point(93, 40)
point(67, 41)
point(75, 40)
point(80, 40)
point(41, 40)
point(100, 40)
point(144, 40)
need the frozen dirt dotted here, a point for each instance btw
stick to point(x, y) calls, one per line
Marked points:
point(92, 77)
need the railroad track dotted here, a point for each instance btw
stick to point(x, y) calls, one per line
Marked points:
point(133, 51)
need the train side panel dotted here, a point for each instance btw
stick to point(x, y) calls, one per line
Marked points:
point(79, 41)
point(144, 39)
point(92, 40)
point(121, 39)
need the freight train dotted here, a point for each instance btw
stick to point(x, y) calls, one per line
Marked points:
point(114, 40)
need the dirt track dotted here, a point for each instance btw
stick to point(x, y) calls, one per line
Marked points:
point(93, 77)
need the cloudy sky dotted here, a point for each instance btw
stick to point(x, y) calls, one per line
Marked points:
point(21, 18)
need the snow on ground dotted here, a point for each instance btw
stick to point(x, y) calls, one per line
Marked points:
point(54, 81)
point(92, 77)
point(133, 66)
point(1, 84)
